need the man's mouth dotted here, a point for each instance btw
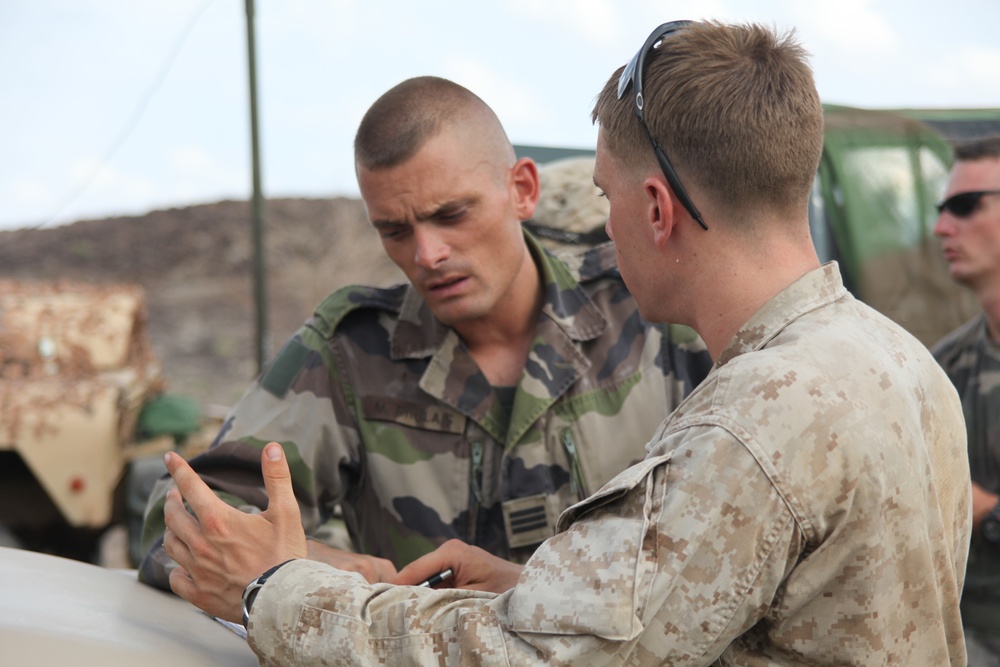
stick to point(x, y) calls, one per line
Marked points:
point(445, 285)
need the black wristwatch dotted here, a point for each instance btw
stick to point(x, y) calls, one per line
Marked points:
point(989, 527)
point(250, 592)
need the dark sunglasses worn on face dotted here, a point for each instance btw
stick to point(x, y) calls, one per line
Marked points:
point(632, 74)
point(964, 204)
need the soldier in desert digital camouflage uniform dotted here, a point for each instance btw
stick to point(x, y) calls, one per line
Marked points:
point(386, 406)
point(969, 229)
point(808, 503)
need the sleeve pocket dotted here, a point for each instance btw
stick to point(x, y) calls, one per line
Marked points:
point(587, 579)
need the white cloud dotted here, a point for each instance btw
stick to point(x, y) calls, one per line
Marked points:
point(196, 174)
point(83, 189)
point(195, 162)
point(694, 10)
point(971, 73)
point(322, 62)
point(507, 94)
point(109, 180)
point(26, 192)
point(312, 19)
point(23, 201)
point(854, 27)
point(598, 21)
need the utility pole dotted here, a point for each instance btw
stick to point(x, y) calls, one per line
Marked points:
point(260, 268)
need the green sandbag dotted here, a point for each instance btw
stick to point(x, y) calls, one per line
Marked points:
point(168, 414)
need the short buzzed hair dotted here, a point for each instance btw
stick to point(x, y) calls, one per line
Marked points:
point(734, 107)
point(410, 113)
point(978, 149)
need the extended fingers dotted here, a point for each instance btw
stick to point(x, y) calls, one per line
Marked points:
point(181, 528)
point(176, 515)
point(214, 517)
point(176, 548)
point(195, 491)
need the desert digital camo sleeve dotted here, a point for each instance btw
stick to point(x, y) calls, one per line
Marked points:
point(383, 411)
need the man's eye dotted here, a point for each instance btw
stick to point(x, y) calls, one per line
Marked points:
point(452, 216)
point(600, 193)
point(391, 232)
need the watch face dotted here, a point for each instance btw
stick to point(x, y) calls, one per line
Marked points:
point(990, 528)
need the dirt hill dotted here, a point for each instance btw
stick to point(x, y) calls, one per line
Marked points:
point(196, 267)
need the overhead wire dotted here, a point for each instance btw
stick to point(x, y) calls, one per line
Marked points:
point(136, 116)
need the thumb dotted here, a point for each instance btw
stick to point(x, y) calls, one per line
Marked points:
point(282, 508)
point(277, 480)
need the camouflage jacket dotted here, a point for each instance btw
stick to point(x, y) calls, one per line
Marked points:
point(972, 361)
point(382, 409)
point(807, 504)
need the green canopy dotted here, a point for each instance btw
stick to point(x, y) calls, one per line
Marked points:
point(879, 178)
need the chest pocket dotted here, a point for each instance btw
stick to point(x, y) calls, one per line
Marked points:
point(589, 577)
point(423, 416)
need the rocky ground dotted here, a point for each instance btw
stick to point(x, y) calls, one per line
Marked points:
point(195, 265)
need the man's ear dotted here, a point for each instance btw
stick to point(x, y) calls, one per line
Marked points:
point(525, 187)
point(662, 208)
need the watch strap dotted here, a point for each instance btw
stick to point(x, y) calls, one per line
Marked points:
point(250, 592)
point(989, 527)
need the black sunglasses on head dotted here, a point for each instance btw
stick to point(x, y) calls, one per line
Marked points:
point(964, 204)
point(632, 74)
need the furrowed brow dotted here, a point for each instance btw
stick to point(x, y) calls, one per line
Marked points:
point(439, 212)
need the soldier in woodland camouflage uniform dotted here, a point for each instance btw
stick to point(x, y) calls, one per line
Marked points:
point(384, 402)
point(969, 228)
point(808, 503)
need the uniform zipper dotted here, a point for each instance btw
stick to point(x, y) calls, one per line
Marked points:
point(577, 486)
point(475, 484)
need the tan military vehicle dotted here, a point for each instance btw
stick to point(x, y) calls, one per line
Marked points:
point(75, 369)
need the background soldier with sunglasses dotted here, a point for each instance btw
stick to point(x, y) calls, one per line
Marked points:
point(969, 228)
point(808, 503)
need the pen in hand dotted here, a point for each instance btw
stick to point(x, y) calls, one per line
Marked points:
point(436, 579)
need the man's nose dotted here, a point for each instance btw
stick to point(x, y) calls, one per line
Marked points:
point(432, 250)
point(944, 225)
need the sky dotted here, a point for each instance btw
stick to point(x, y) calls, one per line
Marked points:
point(118, 107)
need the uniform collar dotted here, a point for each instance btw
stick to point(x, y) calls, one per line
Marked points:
point(813, 290)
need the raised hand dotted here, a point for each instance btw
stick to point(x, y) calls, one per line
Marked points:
point(220, 549)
